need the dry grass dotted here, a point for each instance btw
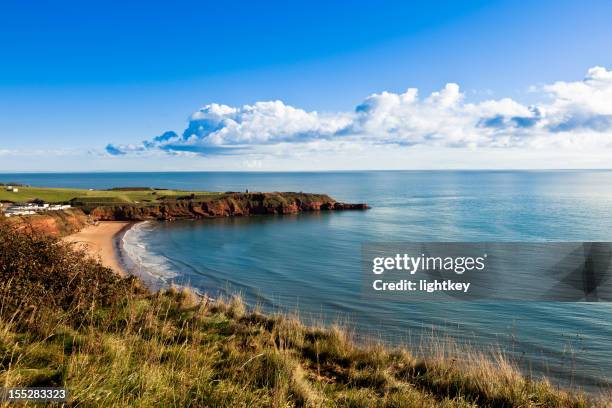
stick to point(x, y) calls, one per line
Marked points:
point(119, 345)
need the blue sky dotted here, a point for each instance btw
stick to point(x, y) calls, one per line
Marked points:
point(78, 76)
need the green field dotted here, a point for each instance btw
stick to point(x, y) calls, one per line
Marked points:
point(64, 195)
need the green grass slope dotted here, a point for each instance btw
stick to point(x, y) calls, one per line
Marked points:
point(64, 195)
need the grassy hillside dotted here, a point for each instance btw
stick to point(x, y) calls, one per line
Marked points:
point(64, 195)
point(68, 321)
point(142, 196)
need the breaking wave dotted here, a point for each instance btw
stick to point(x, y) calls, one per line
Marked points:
point(154, 269)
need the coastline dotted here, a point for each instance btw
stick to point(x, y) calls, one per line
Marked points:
point(105, 241)
point(159, 324)
point(101, 241)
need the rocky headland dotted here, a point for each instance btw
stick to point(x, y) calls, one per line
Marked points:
point(219, 205)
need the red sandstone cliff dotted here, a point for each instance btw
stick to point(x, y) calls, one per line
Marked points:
point(58, 223)
point(222, 205)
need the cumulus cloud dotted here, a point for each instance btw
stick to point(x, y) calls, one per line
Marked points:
point(570, 114)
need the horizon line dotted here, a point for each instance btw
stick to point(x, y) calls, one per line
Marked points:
point(312, 171)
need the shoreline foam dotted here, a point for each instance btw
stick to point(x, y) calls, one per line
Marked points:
point(154, 270)
point(111, 243)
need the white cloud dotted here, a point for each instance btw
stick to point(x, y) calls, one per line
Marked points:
point(571, 115)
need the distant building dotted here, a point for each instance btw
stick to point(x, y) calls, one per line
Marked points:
point(31, 209)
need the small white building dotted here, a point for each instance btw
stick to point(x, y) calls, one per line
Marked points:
point(31, 209)
point(18, 211)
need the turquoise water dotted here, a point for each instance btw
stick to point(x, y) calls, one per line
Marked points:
point(310, 263)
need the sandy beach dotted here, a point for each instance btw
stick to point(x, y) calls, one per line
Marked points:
point(99, 241)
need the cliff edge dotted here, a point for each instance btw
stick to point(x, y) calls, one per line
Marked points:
point(57, 223)
point(217, 205)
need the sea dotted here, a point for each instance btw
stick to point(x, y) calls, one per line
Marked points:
point(310, 264)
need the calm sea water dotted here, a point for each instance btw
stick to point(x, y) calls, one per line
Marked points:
point(310, 263)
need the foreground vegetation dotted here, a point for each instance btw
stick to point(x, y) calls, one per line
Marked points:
point(68, 321)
